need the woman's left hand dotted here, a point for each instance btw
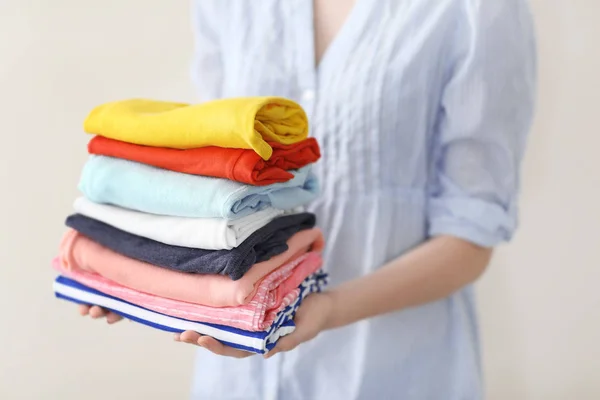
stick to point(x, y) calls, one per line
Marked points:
point(311, 318)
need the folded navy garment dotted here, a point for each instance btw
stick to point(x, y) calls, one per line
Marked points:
point(263, 244)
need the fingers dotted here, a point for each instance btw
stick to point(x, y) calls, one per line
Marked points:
point(97, 312)
point(291, 341)
point(84, 310)
point(111, 318)
point(219, 348)
point(190, 337)
point(286, 343)
point(306, 328)
point(210, 344)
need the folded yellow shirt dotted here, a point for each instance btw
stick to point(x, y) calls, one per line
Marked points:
point(242, 123)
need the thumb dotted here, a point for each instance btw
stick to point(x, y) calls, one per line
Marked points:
point(301, 334)
point(286, 343)
point(289, 342)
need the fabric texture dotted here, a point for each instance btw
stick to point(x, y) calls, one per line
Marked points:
point(275, 292)
point(257, 342)
point(421, 110)
point(240, 123)
point(240, 165)
point(242, 290)
point(78, 252)
point(263, 244)
point(148, 189)
point(198, 233)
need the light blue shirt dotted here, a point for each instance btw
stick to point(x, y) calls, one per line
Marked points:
point(422, 108)
point(153, 190)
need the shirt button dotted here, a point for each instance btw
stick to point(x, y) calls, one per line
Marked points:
point(308, 95)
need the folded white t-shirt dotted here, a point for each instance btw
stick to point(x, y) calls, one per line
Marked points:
point(198, 233)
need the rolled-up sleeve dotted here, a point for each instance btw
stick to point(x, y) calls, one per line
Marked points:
point(485, 115)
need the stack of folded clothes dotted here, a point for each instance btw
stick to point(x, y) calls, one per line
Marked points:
point(192, 218)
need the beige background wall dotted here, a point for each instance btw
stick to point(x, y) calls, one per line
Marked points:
point(539, 302)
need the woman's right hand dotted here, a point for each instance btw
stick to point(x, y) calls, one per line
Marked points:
point(99, 312)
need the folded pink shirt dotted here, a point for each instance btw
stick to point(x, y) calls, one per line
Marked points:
point(79, 252)
point(275, 292)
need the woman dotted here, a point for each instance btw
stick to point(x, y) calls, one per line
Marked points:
point(421, 109)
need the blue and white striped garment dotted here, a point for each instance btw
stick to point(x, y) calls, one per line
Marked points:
point(256, 342)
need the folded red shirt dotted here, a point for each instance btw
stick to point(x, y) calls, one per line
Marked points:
point(240, 165)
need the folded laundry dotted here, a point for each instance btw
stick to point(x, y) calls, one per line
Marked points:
point(192, 218)
point(144, 188)
point(275, 292)
point(229, 292)
point(199, 233)
point(262, 245)
point(244, 123)
point(78, 252)
point(240, 165)
point(257, 342)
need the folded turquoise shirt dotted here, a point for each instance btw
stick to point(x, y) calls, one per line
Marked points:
point(144, 188)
